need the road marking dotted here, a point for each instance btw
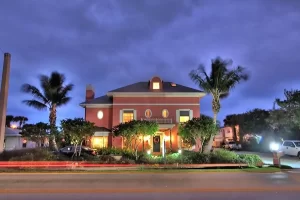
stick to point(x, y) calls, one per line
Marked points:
point(146, 190)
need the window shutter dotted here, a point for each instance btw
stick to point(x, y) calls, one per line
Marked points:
point(121, 116)
point(191, 114)
point(177, 115)
point(134, 114)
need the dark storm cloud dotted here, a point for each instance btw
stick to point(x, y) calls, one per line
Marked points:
point(113, 43)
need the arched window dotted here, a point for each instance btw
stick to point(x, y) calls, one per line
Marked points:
point(165, 113)
point(100, 114)
point(148, 113)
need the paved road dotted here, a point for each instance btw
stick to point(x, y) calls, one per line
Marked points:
point(268, 159)
point(146, 186)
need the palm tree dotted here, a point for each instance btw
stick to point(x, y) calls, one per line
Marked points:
point(54, 94)
point(21, 120)
point(9, 119)
point(218, 83)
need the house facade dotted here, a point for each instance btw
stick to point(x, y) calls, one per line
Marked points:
point(166, 103)
point(226, 134)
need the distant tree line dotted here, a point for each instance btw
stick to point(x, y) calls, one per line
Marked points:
point(20, 120)
point(281, 122)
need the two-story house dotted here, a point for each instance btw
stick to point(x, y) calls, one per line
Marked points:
point(166, 103)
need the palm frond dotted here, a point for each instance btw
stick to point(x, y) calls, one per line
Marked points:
point(45, 85)
point(64, 101)
point(235, 76)
point(36, 104)
point(64, 91)
point(224, 95)
point(56, 79)
point(201, 78)
point(30, 89)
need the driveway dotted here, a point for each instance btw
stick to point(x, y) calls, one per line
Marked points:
point(268, 159)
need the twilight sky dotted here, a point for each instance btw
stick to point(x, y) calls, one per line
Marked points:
point(112, 43)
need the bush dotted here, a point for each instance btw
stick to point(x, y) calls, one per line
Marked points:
point(251, 160)
point(224, 156)
point(110, 151)
point(126, 154)
point(190, 157)
point(38, 154)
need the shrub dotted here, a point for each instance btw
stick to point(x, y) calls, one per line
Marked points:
point(251, 160)
point(37, 154)
point(224, 156)
point(110, 151)
point(191, 157)
point(107, 159)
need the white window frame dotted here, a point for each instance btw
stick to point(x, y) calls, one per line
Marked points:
point(121, 114)
point(178, 114)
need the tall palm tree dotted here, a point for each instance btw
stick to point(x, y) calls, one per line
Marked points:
point(218, 83)
point(54, 94)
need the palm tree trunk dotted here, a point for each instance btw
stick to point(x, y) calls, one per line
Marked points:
point(209, 145)
point(52, 119)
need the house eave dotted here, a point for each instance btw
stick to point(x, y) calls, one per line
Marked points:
point(156, 94)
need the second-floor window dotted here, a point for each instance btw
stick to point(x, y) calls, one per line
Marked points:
point(165, 113)
point(184, 116)
point(128, 115)
point(156, 86)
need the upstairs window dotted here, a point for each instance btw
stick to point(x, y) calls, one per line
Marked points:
point(165, 113)
point(156, 86)
point(184, 116)
point(127, 116)
point(148, 113)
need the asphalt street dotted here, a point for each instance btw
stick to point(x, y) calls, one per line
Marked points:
point(203, 185)
point(268, 159)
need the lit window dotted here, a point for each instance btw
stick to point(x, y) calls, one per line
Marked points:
point(184, 116)
point(165, 113)
point(148, 113)
point(99, 142)
point(100, 114)
point(156, 86)
point(127, 116)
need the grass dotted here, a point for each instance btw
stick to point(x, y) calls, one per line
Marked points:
point(249, 170)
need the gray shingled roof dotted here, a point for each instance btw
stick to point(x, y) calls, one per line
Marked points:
point(141, 87)
point(144, 87)
point(100, 100)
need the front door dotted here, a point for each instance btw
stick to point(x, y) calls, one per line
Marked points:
point(156, 144)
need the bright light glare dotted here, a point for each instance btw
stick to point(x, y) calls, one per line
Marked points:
point(274, 146)
point(148, 152)
point(179, 151)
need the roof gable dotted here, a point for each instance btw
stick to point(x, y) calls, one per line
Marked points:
point(144, 87)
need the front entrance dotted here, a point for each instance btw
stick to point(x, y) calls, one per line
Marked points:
point(156, 144)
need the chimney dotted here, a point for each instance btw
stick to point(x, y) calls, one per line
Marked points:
point(3, 98)
point(89, 92)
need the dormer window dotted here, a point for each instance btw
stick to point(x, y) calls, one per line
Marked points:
point(156, 86)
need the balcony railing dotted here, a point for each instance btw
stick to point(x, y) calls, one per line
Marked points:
point(159, 120)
